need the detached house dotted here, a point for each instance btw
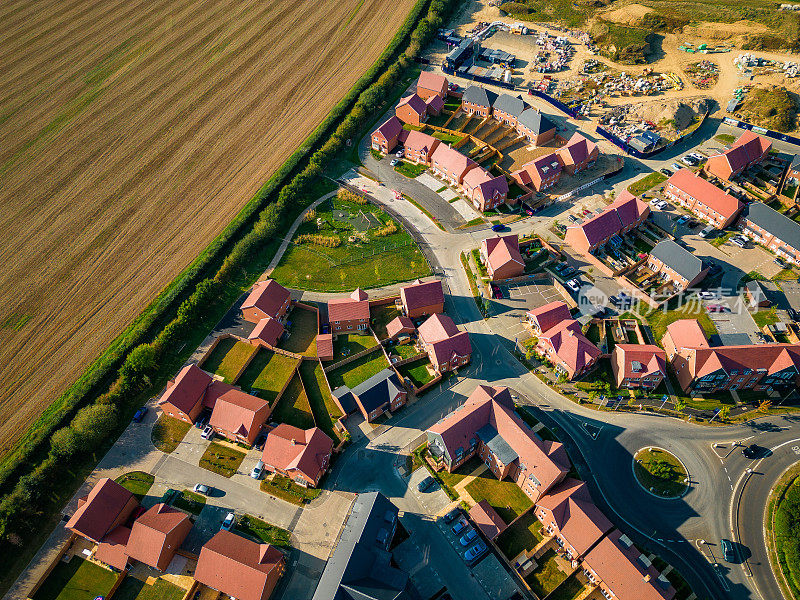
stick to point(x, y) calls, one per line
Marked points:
point(412, 110)
point(301, 455)
point(638, 365)
point(380, 393)
point(430, 84)
point(156, 536)
point(237, 416)
point(703, 198)
point(578, 154)
point(773, 230)
point(422, 298)
point(502, 257)
point(540, 173)
point(749, 149)
point(547, 316)
point(349, 314)
point(268, 299)
point(107, 506)
point(386, 137)
point(184, 397)
point(447, 347)
point(570, 352)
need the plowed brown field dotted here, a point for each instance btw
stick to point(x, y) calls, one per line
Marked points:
point(131, 132)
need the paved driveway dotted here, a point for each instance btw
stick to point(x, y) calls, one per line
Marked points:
point(434, 500)
point(738, 322)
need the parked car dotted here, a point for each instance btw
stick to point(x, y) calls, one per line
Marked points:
point(208, 433)
point(666, 172)
point(498, 227)
point(780, 262)
point(676, 166)
point(260, 441)
point(257, 470)
point(706, 295)
point(228, 521)
point(691, 223)
point(395, 162)
point(717, 308)
point(425, 483)
point(460, 526)
point(573, 218)
point(400, 153)
point(688, 161)
point(452, 515)
point(468, 537)
point(475, 552)
point(682, 219)
point(574, 285)
point(708, 232)
point(202, 488)
point(139, 414)
point(739, 241)
point(568, 272)
point(697, 156)
point(727, 550)
point(662, 205)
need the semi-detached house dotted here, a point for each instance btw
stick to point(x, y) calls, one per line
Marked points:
point(771, 229)
point(749, 149)
point(675, 264)
point(447, 347)
point(621, 216)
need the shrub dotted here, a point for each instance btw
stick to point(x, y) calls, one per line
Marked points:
point(327, 241)
point(309, 216)
point(389, 229)
point(348, 196)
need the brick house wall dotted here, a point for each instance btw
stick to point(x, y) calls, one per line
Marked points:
point(406, 114)
point(768, 240)
point(472, 108)
point(348, 326)
point(253, 314)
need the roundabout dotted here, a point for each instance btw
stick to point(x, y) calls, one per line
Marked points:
point(660, 473)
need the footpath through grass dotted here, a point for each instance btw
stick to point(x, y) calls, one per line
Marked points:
point(221, 459)
point(77, 579)
point(322, 405)
point(168, 432)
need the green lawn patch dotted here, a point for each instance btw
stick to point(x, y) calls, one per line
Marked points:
point(659, 319)
point(133, 588)
point(357, 371)
point(227, 358)
point(522, 535)
point(303, 336)
point(721, 239)
point(448, 481)
point(547, 576)
point(263, 532)
point(763, 318)
point(725, 138)
point(783, 531)
point(190, 502)
point(660, 472)
point(221, 459)
point(648, 182)
point(77, 579)
point(168, 432)
point(417, 372)
point(322, 405)
point(347, 344)
point(410, 170)
point(476, 256)
point(286, 489)
point(449, 138)
point(569, 589)
point(405, 350)
point(293, 407)
point(363, 259)
point(137, 483)
point(380, 317)
point(266, 374)
point(505, 497)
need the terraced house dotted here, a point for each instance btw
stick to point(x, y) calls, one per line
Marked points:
point(578, 154)
point(749, 149)
point(676, 265)
point(703, 198)
point(619, 217)
point(771, 229)
point(478, 101)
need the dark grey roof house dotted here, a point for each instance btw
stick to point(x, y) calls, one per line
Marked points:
point(479, 96)
point(536, 121)
point(511, 105)
point(370, 395)
point(781, 226)
point(359, 568)
point(680, 260)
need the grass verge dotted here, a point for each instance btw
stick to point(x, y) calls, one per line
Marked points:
point(168, 432)
point(221, 460)
point(190, 502)
point(286, 489)
point(137, 483)
point(263, 532)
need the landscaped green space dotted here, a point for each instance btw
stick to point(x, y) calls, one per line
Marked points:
point(286, 489)
point(77, 579)
point(449, 138)
point(782, 526)
point(570, 589)
point(227, 358)
point(405, 350)
point(189, 501)
point(266, 374)
point(640, 186)
point(522, 535)
point(263, 532)
point(410, 170)
point(417, 371)
point(767, 317)
point(722, 239)
point(293, 407)
point(660, 472)
point(381, 316)
point(547, 576)
point(136, 482)
point(133, 588)
point(303, 335)
point(347, 344)
point(368, 254)
point(222, 460)
point(322, 405)
point(168, 432)
point(725, 138)
point(659, 319)
point(357, 371)
point(504, 496)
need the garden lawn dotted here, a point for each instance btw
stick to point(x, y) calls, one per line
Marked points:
point(190, 502)
point(357, 371)
point(133, 588)
point(266, 374)
point(547, 576)
point(380, 317)
point(649, 181)
point(221, 459)
point(137, 483)
point(286, 489)
point(725, 138)
point(570, 589)
point(410, 170)
point(264, 532)
point(322, 405)
point(417, 372)
point(227, 358)
point(504, 496)
point(522, 535)
point(766, 317)
point(659, 319)
point(405, 350)
point(78, 579)
point(293, 407)
point(168, 432)
point(303, 336)
point(450, 138)
point(660, 472)
point(347, 344)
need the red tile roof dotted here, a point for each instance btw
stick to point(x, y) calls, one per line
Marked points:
point(353, 308)
point(577, 150)
point(431, 81)
point(746, 150)
point(269, 330)
point(416, 141)
point(289, 448)
point(415, 103)
point(237, 566)
point(237, 412)
point(629, 208)
point(772, 357)
point(705, 192)
point(502, 250)
point(640, 360)
point(104, 508)
point(391, 128)
point(621, 213)
point(421, 295)
point(435, 103)
point(444, 339)
point(187, 389)
point(399, 325)
point(487, 519)
point(437, 327)
point(268, 296)
point(149, 543)
point(550, 314)
point(112, 550)
point(446, 158)
point(687, 333)
point(570, 346)
point(325, 346)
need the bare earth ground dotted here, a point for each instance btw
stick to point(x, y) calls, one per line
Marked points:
point(131, 132)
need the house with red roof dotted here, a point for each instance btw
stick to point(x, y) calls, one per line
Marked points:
point(107, 506)
point(267, 299)
point(156, 536)
point(350, 313)
point(412, 110)
point(238, 416)
point(570, 352)
point(702, 198)
point(487, 426)
point(749, 149)
point(447, 347)
point(485, 190)
point(547, 316)
point(540, 173)
point(434, 104)
point(621, 571)
point(398, 326)
point(113, 548)
point(386, 137)
point(621, 216)
point(502, 257)
point(421, 299)
point(418, 146)
point(569, 515)
point(325, 346)
point(184, 396)
point(682, 335)
point(578, 154)
point(487, 520)
point(302, 455)
point(430, 84)
point(266, 333)
point(450, 164)
point(638, 365)
point(238, 567)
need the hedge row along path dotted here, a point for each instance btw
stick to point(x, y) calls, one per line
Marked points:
point(130, 135)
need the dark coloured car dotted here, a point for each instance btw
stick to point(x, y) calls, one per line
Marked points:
point(460, 526)
point(425, 483)
point(139, 415)
point(475, 552)
point(468, 537)
point(728, 552)
point(666, 172)
point(452, 515)
point(753, 451)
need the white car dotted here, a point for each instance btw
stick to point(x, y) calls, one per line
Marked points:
point(739, 241)
point(395, 162)
point(228, 522)
point(662, 205)
point(257, 470)
point(202, 488)
point(688, 161)
point(697, 155)
point(400, 153)
point(574, 285)
point(208, 433)
point(706, 295)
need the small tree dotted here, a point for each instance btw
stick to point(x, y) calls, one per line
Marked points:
point(680, 405)
point(139, 365)
point(724, 413)
point(65, 442)
point(94, 423)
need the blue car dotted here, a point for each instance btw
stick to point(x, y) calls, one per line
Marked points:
point(460, 526)
point(139, 415)
point(498, 227)
point(474, 553)
point(468, 537)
